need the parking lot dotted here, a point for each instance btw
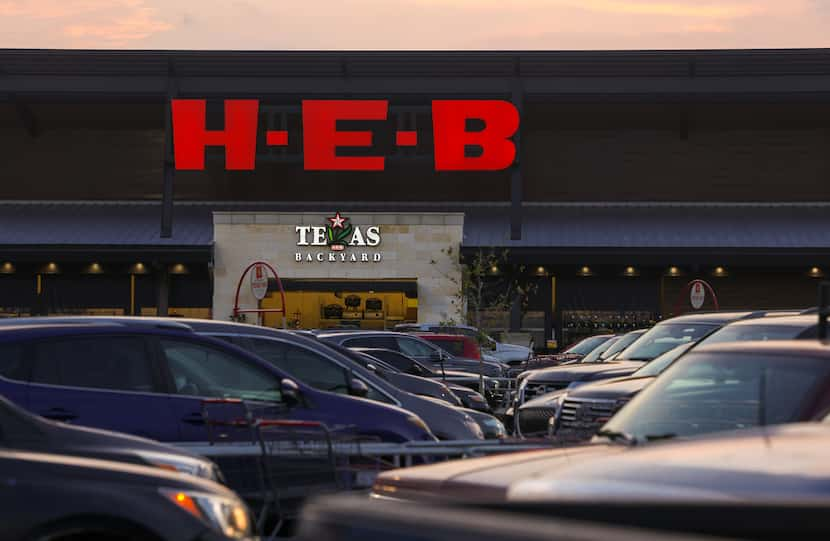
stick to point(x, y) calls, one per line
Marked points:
point(245, 428)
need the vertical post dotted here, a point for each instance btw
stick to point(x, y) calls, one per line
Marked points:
point(549, 291)
point(516, 180)
point(169, 165)
point(516, 313)
point(132, 294)
point(163, 304)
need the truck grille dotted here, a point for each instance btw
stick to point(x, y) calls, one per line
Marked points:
point(583, 414)
point(532, 390)
point(533, 421)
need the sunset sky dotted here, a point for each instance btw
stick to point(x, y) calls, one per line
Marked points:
point(414, 24)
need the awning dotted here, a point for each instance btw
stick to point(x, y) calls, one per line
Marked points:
point(692, 230)
point(114, 230)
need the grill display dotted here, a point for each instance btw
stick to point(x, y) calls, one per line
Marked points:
point(534, 420)
point(532, 390)
point(583, 414)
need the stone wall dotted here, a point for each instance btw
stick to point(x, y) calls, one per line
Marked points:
point(411, 246)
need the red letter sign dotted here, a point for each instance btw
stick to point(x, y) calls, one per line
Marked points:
point(449, 124)
point(190, 136)
point(321, 138)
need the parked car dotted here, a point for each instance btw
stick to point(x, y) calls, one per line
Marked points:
point(711, 388)
point(462, 384)
point(330, 367)
point(586, 345)
point(48, 496)
point(24, 431)
point(728, 386)
point(457, 345)
point(503, 352)
point(587, 407)
point(659, 339)
point(490, 426)
point(770, 465)
point(411, 384)
point(150, 380)
point(414, 346)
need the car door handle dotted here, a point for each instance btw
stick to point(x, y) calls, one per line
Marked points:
point(59, 414)
point(194, 419)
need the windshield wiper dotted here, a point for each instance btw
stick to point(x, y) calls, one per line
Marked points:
point(655, 437)
point(617, 436)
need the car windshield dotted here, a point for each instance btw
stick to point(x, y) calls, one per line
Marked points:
point(663, 337)
point(662, 362)
point(586, 346)
point(709, 392)
point(620, 345)
point(745, 332)
point(594, 356)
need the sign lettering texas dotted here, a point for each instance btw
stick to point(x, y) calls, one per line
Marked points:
point(453, 139)
point(338, 235)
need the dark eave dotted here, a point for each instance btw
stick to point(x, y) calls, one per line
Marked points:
point(799, 74)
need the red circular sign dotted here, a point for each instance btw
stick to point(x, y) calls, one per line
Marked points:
point(697, 295)
point(259, 281)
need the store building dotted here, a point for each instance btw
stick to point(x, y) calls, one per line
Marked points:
point(636, 173)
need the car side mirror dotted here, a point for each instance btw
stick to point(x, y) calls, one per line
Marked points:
point(372, 367)
point(358, 388)
point(290, 392)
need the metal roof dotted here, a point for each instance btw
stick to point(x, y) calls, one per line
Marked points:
point(101, 224)
point(653, 226)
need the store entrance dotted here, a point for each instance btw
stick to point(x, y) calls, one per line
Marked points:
point(330, 304)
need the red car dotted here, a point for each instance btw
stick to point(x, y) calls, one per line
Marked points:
point(458, 345)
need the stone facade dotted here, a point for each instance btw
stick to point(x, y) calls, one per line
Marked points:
point(413, 245)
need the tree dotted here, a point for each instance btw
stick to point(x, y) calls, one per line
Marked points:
point(484, 282)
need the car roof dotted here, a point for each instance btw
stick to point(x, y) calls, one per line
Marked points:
point(810, 348)
point(805, 321)
point(711, 317)
point(361, 333)
point(122, 321)
point(443, 336)
point(10, 333)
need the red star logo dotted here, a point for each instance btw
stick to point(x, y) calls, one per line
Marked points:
point(337, 221)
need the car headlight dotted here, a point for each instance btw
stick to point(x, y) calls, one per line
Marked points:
point(477, 398)
point(497, 426)
point(183, 464)
point(476, 429)
point(225, 514)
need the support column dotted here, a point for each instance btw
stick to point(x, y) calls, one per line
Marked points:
point(516, 314)
point(516, 178)
point(163, 290)
point(169, 164)
point(547, 292)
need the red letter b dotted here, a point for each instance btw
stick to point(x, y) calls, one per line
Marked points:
point(449, 124)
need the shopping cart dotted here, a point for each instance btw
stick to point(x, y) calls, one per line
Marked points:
point(276, 464)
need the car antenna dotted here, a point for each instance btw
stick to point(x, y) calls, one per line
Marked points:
point(823, 309)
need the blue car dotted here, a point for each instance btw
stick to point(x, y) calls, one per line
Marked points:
point(150, 379)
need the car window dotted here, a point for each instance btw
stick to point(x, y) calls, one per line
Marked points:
point(661, 338)
point(202, 370)
point(618, 346)
point(662, 362)
point(586, 346)
point(399, 361)
point(371, 342)
point(102, 362)
point(414, 348)
point(594, 356)
point(12, 364)
point(453, 347)
point(708, 392)
point(307, 366)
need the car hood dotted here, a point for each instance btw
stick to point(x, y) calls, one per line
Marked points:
point(611, 389)
point(510, 352)
point(583, 371)
point(480, 480)
point(776, 464)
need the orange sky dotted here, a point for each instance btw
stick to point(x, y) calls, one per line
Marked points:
point(414, 24)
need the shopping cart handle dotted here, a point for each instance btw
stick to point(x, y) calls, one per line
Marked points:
point(221, 401)
point(289, 423)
